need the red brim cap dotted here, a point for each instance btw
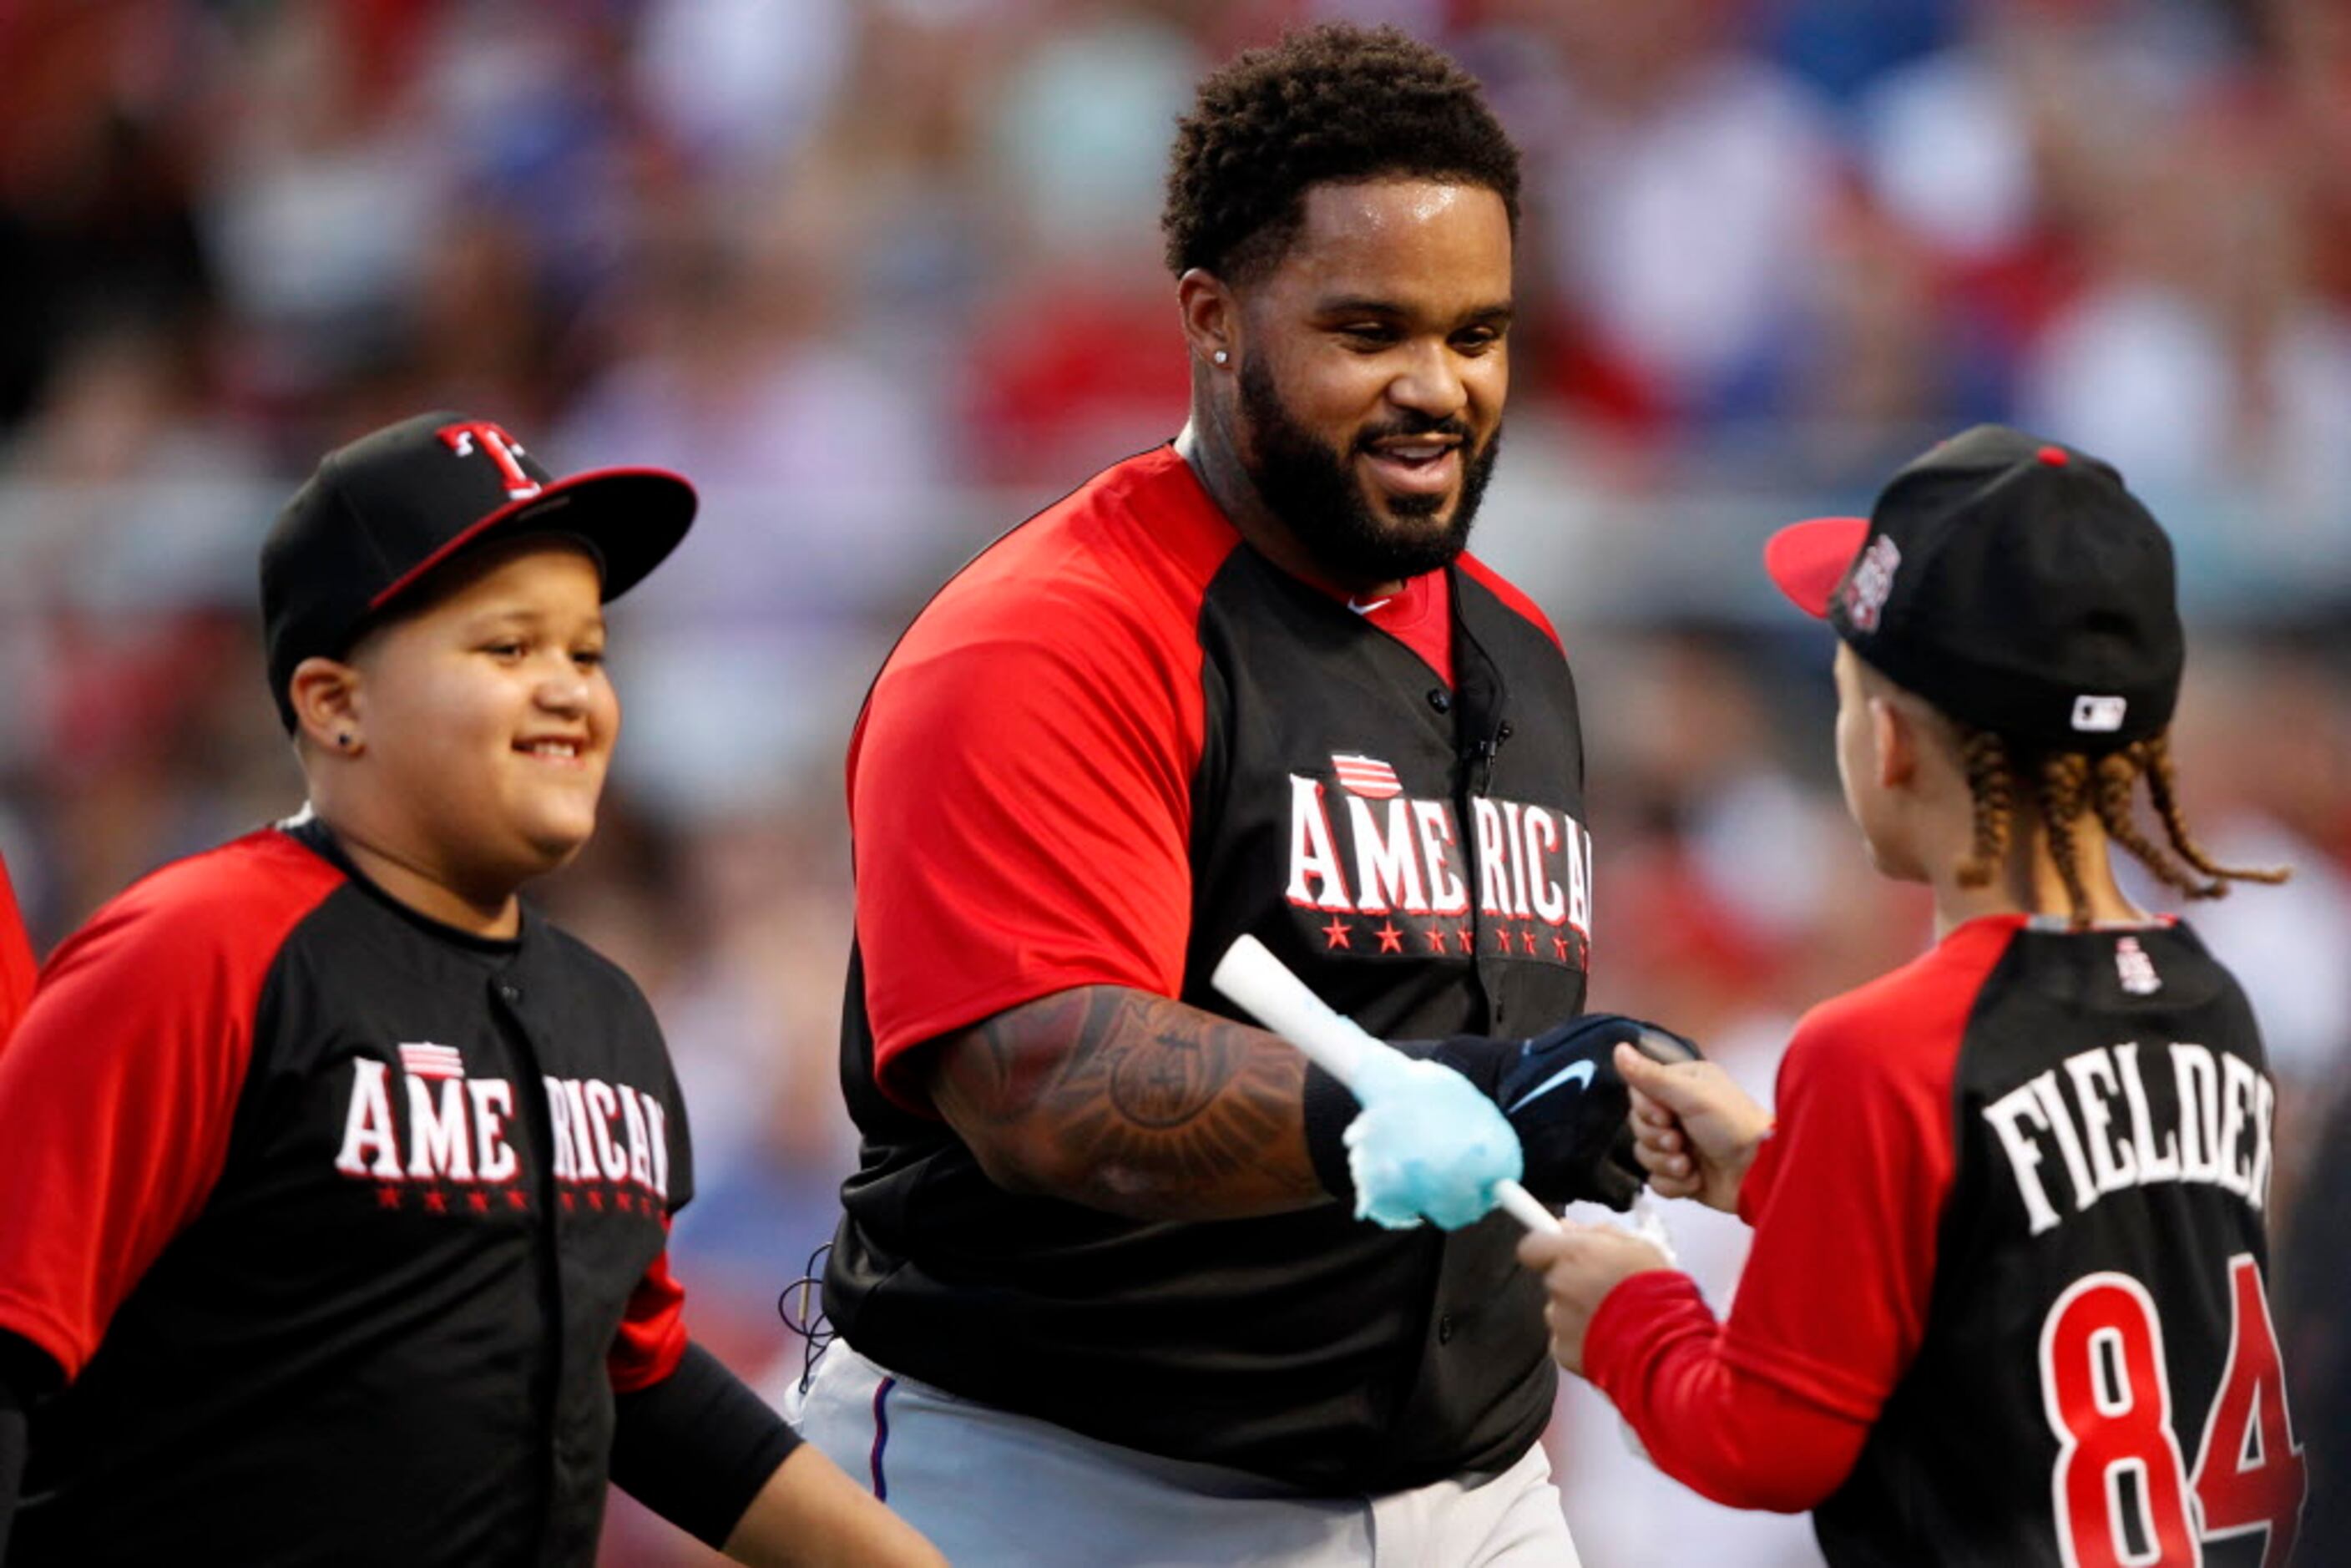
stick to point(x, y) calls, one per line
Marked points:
point(632, 517)
point(1808, 559)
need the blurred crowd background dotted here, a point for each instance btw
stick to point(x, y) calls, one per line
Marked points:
point(883, 276)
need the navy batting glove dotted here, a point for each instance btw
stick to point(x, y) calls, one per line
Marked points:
point(1563, 1095)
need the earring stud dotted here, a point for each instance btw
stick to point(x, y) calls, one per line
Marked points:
point(1221, 356)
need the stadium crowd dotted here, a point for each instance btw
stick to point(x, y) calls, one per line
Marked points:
point(879, 275)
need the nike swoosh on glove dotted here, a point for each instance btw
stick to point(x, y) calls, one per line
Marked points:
point(1563, 1095)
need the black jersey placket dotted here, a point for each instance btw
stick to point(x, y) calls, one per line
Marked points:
point(505, 1002)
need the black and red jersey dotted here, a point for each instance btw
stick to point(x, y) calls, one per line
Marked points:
point(2006, 1302)
point(344, 1227)
point(1118, 740)
point(16, 968)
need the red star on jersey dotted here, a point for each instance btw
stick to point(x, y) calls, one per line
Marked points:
point(436, 1202)
point(1462, 933)
point(595, 1200)
point(387, 1197)
point(622, 1200)
point(514, 1198)
point(1561, 943)
point(1436, 937)
point(568, 1201)
point(1528, 937)
point(1391, 939)
point(479, 1201)
point(1337, 932)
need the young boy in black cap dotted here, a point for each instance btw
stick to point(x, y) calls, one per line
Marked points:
point(338, 1182)
point(2006, 1302)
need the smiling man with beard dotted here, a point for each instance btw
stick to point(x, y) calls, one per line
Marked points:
point(1102, 1292)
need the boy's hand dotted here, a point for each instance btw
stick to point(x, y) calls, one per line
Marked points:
point(1693, 1130)
point(1580, 1265)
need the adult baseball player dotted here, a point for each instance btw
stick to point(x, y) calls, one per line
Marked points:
point(338, 1182)
point(1099, 1291)
point(2007, 1303)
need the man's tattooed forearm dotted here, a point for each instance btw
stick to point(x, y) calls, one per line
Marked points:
point(1146, 1096)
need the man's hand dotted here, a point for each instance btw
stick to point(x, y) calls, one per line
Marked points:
point(1567, 1101)
point(1580, 1265)
point(1426, 1144)
point(1695, 1131)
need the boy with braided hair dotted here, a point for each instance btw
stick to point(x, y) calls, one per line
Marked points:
point(2007, 1299)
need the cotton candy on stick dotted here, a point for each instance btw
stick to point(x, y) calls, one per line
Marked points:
point(1427, 1143)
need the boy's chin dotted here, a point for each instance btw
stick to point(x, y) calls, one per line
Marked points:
point(552, 846)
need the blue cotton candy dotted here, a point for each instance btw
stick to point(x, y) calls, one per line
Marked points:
point(1428, 1144)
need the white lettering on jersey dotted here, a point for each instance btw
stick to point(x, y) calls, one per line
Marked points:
point(1541, 838)
point(2236, 1106)
point(603, 1107)
point(585, 1165)
point(2227, 1111)
point(1493, 864)
point(368, 1125)
point(657, 1125)
point(641, 1159)
point(439, 1142)
point(2199, 1081)
point(1579, 877)
point(1527, 862)
point(1448, 893)
point(2069, 1139)
point(456, 1131)
point(2112, 1168)
point(1312, 855)
point(1387, 873)
point(2257, 1187)
point(558, 1116)
point(493, 1100)
point(2154, 1164)
point(1517, 846)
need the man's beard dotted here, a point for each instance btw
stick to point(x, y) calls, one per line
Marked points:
point(1316, 495)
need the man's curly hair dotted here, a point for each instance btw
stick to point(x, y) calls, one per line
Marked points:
point(1336, 104)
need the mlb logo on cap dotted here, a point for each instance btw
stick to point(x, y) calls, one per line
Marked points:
point(2099, 716)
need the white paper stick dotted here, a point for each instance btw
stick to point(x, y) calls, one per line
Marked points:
point(1255, 978)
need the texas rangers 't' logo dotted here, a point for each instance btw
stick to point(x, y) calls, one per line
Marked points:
point(480, 435)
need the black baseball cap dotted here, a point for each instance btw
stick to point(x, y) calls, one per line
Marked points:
point(383, 514)
point(2012, 582)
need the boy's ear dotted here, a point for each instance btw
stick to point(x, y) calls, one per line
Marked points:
point(326, 697)
point(1893, 735)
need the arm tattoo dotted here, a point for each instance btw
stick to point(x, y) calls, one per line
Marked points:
point(1132, 1103)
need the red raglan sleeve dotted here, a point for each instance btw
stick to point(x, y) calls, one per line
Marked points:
point(1771, 1409)
point(16, 967)
point(117, 1091)
point(1020, 801)
point(651, 1337)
